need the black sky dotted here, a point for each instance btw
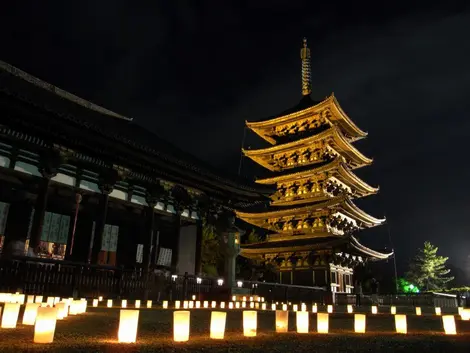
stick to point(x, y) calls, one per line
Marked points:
point(193, 71)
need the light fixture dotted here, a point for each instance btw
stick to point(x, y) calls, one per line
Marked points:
point(174, 277)
point(220, 281)
point(217, 329)
point(322, 323)
point(198, 280)
point(302, 321)
point(400, 324)
point(44, 327)
point(359, 323)
point(30, 312)
point(128, 323)
point(239, 284)
point(181, 326)
point(249, 323)
point(10, 315)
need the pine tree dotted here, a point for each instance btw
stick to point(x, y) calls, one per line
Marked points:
point(211, 255)
point(427, 269)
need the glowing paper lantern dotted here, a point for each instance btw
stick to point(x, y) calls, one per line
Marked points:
point(263, 306)
point(393, 310)
point(329, 309)
point(230, 305)
point(350, 309)
point(244, 299)
point(38, 298)
point(177, 304)
point(193, 297)
point(74, 308)
point(218, 319)
point(374, 309)
point(137, 304)
point(100, 298)
point(61, 310)
point(243, 304)
point(314, 308)
point(256, 305)
point(234, 298)
point(322, 323)
point(438, 310)
point(185, 304)
point(251, 299)
point(465, 314)
point(198, 304)
point(10, 315)
point(249, 323)
point(181, 326)
point(149, 304)
point(95, 303)
point(273, 306)
point(295, 307)
point(44, 327)
point(400, 323)
point(237, 305)
point(50, 301)
point(56, 300)
point(449, 324)
point(213, 304)
point(124, 303)
point(165, 304)
point(109, 304)
point(359, 323)
point(205, 304)
point(83, 306)
point(459, 309)
point(303, 307)
point(222, 305)
point(418, 310)
point(30, 299)
point(284, 307)
point(252, 305)
point(128, 323)
point(302, 322)
point(30, 312)
point(282, 321)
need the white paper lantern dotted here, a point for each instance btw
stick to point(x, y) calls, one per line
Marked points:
point(359, 323)
point(30, 312)
point(44, 327)
point(249, 323)
point(128, 323)
point(181, 326)
point(217, 329)
point(302, 321)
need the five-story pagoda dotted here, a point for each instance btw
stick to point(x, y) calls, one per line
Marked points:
point(312, 217)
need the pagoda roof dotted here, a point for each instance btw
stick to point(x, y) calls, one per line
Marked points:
point(339, 144)
point(58, 107)
point(304, 109)
point(337, 165)
point(341, 204)
point(311, 244)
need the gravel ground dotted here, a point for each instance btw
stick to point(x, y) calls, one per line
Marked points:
point(96, 331)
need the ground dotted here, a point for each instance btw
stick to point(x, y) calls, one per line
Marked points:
point(96, 331)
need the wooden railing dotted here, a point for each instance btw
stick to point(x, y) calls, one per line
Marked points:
point(417, 299)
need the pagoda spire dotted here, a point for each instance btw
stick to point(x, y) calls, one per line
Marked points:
point(306, 72)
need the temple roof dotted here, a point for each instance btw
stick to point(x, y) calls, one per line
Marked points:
point(354, 247)
point(306, 108)
point(338, 143)
point(104, 124)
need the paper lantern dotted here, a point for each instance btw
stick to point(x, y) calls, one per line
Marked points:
point(282, 321)
point(449, 324)
point(83, 306)
point(244, 299)
point(109, 304)
point(61, 310)
point(230, 305)
point(30, 299)
point(329, 309)
point(374, 309)
point(400, 323)
point(56, 300)
point(459, 310)
point(243, 304)
point(359, 323)
point(165, 304)
point(252, 305)
point(303, 307)
point(262, 299)
point(30, 312)
point(302, 321)
point(128, 323)
point(74, 308)
point(251, 299)
point(177, 304)
point(438, 310)
point(273, 307)
point(95, 303)
point(284, 307)
point(393, 310)
point(418, 310)
point(350, 309)
point(218, 319)
point(259, 299)
point(322, 323)
point(124, 303)
point(295, 307)
point(314, 308)
point(263, 306)
point(465, 314)
point(193, 297)
point(222, 305)
point(234, 298)
point(249, 323)
point(149, 304)
point(213, 304)
point(205, 304)
point(237, 305)
point(181, 326)
point(38, 298)
point(10, 315)
point(100, 298)
point(185, 304)
point(50, 301)
point(198, 304)
point(137, 304)
point(44, 327)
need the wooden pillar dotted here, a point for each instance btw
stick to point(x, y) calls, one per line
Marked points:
point(198, 260)
point(100, 223)
point(39, 212)
point(148, 237)
point(174, 255)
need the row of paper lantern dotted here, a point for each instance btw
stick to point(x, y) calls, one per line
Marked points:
point(128, 324)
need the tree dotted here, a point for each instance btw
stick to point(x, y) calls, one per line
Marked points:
point(211, 254)
point(427, 269)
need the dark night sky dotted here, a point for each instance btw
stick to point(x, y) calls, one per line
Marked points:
point(194, 73)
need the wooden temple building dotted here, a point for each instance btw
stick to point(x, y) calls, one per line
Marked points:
point(312, 218)
point(83, 184)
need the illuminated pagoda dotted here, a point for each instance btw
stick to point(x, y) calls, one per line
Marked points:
point(312, 216)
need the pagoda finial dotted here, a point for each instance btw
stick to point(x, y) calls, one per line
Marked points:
point(306, 76)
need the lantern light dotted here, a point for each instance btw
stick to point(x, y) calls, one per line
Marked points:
point(30, 312)
point(56, 300)
point(449, 324)
point(302, 321)
point(314, 308)
point(329, 309)
point(222, 305)
point(465, 314)
point(359, 323)
point(50, 301)
point(213, 304)
point(109, 304)
point(393, 310)
point(217, 329)
point(374, 309)
point(230, 305)
point(95, 303)
point(74, 308)
point(234, 298)
point(38, 298)
point(418, 310)
point(243, 304)
point(100, 298)
point(400, 324)
point(30, 299)
point(198, 280)
point(263, 306)
point(165, 304)
point(193, 297)
point(282, 321)
point(149, 304)
point(220, 281)
point(252, 305)
point(177, 304)
point(350, 309)
point(61, 310)
point(438, 310)
point(128, 323)
point(295, 307)
point(237, 305)
point(459, 309)
point(137, 304)
point(239, 284)
point(322, 323)
point(273, 307)
point(198, 304)
point(244, 299)
point(284, 307)
point(303, 307)
point(124, 303)
point(185, 304)
point(205, 304)
point(10, 315)
point(174, 277)
point(181, 326)
point(249, 323)
point(44, 327)
point(251, 299)
point(191, 304)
